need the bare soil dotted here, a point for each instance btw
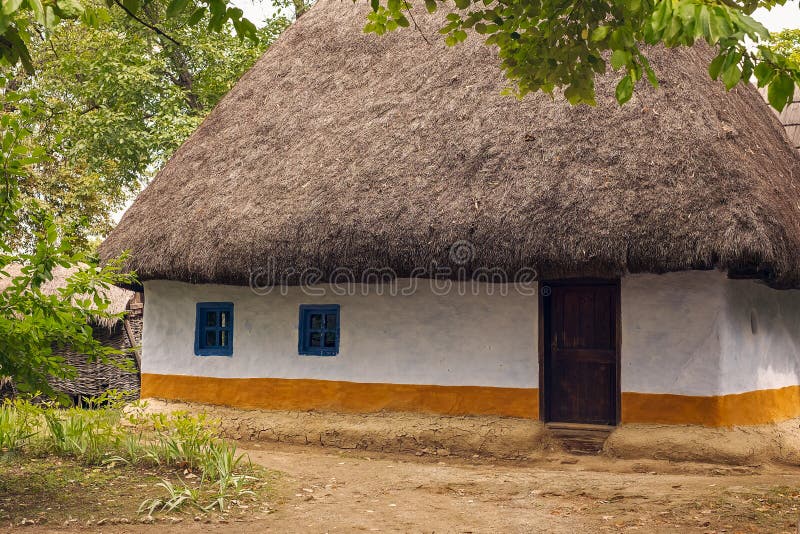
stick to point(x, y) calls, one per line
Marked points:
point(52, 492)
point(496, 437)
point(326, 490)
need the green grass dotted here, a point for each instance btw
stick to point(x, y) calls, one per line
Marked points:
point(55, 491)
point(181, 459)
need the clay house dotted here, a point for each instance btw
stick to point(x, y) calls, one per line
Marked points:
point(367, 224)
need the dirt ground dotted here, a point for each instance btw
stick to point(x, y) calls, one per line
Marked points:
point(327, 490)
point(496, 437)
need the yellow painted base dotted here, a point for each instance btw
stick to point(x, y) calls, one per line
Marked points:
point(352, 397)
point(751, 408)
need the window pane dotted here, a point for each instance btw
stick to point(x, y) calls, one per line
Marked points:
point(316, 339)
point(316, 321)
point(330, 321)
point(211, 338)
point(211, 318)
point(330, 339)
point(223, 338)
point(223, 318)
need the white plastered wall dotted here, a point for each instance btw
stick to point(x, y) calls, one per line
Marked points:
point(481, 339)
point(701, 333)
point(688, 333)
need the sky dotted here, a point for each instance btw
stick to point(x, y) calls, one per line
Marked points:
point(779, 18)
point(255, 10)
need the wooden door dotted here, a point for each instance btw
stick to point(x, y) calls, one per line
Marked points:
point(580, 325)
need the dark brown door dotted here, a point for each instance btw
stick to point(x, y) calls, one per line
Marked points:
point(581, 359)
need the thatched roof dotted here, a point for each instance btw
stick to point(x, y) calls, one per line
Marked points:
point(117, 297)
point(341, 149)
point(789, 117)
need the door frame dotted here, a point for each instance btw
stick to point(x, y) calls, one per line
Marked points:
point(544, 345)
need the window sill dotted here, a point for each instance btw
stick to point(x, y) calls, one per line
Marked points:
point(213, 352)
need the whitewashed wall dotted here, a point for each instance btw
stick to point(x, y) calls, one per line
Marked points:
point(691, 333)
point(423, 338)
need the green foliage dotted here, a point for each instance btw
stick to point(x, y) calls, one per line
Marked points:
point(18, 422)
point(787, 44)
point(180, 439)
point(223, 468)
point(32, 323)
point(105, 435)
point(544, 44)
point(82, 434)
point(110, 103)
point(175, 498)
point(118, 85)
point(20, 20)
point(785, 49)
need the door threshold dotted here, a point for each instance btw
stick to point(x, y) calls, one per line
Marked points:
point(552, 425)
point(580, 438)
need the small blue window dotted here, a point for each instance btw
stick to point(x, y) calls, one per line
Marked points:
point(214, 329)
point(319, 330)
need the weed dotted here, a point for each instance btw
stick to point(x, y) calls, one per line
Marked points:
point(18, 424)
point(175, 498)
point(104, 436)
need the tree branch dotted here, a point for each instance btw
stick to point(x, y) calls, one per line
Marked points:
point(156, 29)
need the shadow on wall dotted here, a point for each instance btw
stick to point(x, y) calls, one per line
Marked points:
point(761, 337)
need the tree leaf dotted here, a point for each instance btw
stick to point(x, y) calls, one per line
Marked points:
point(702, 23)
point(780, 91)
point(620, 58)
point(196, 16)
point(624, 89)
point(651, 76)
point(68, 9)
point(176, 7)
point(716, 66)
point(764, 73)
point(132, 5)
point(731, 76)
point(600, 33)
point(719, 25)
point(10, 6)
point(20, 50)
point(661, 16)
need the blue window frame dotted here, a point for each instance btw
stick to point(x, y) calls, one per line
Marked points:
point(319, 330)
point(214, 329)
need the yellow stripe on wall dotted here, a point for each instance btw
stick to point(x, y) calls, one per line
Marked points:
point(751, 408)
point(352, 397)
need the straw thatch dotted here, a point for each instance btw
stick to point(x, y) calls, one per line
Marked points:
point(340, 149)
point(789, 117)
point(117, 297)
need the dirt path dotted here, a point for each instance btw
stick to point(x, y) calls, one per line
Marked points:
point(324, 490)
point(347, 492)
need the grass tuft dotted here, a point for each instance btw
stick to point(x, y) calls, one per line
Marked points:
point(106, 436)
